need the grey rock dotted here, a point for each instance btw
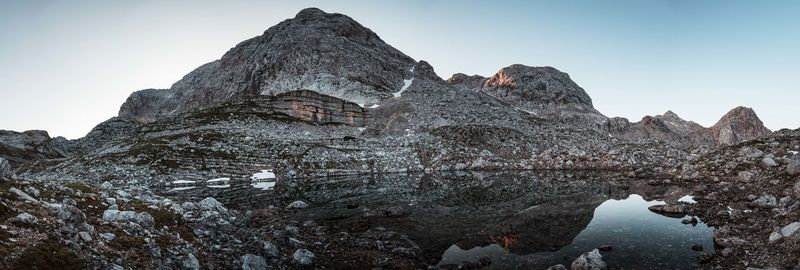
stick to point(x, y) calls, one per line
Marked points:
point(766, 201)
point(32, 191)
point(106, 185)
point(303, 257)
point(557, 267)
point(107, 236)
point(26, 219)
point(143, 218)
point(769, 162)
point(22, 195)
point(793, 167)
point(5, 169)
point(791, 229)
point(774, 237)
point(297, 205)
point(270, 249)
point(191, 262)
point(746, 176)
point(211, 204)
point(589, 261)
point(253, 262)
point(85, 236)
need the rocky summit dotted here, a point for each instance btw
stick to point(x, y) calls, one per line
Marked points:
point(296, 147)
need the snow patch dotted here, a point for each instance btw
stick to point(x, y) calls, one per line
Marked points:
point(687, 199)
point(373, 106)
point(406, 84)
point(264, 174)
point(219, 186)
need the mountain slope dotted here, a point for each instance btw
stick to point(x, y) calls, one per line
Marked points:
point(328, 53)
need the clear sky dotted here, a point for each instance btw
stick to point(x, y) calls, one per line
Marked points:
point(67, 65)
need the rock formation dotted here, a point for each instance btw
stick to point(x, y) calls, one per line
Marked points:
point(328, 53)
point(738, 125)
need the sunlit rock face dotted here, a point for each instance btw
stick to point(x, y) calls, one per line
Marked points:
point(328, 53)
point(542, 91)
point(738, 125)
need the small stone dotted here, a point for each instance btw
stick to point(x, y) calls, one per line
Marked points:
point(107, 236)
point(746, 176)
point(253, 262)
point(769, 162)
point(766, 201)
point(26, 219)
point(557, 267)
point(303, 257)
point(775, 237)
point(85, 236)
point(106, 185)
point(793, 167)
point(297, 205)
point(270, 249)
point(589, 261)
point(697, 247)
point(727, 251)
point(33, 191)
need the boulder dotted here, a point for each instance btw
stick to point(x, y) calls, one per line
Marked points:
point(297, 205)
point(303, 257)
point(211, 204)
point(22, 195)
point(191, 262)
point(253, 262)
point(766, 201)
point(591, 260)
point(5, 169)
point(791, 229)
point(270, 249)
point(143, 218)
point(26, 219)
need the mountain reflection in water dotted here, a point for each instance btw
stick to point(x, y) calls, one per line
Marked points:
point(518, 220)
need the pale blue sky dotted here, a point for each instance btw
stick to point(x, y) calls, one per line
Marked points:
point(68, 65)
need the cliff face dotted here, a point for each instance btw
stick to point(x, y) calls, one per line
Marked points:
point(20, 147)
point(327, 53)
point(303, 105)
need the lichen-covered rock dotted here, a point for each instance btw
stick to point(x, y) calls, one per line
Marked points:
point(142, 218)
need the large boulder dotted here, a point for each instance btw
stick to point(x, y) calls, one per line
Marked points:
point(253, 262)
point(142, 218)
point(5, 169)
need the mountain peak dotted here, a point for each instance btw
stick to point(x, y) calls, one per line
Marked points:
point(328, 53)
point(738, 125)
point(311, 12)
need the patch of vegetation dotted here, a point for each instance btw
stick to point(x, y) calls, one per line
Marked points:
point(80, 186)
point(48, 255)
